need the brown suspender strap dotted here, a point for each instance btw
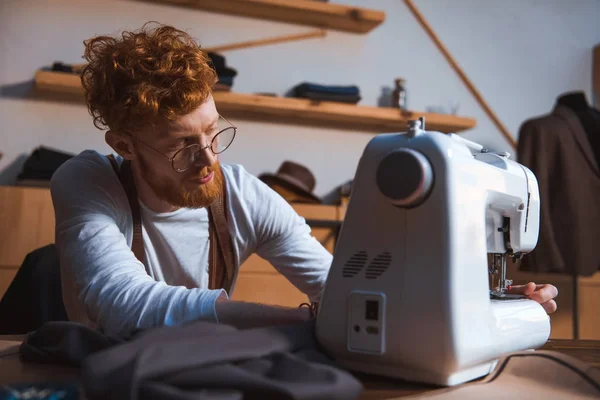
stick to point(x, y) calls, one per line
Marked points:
point(222, 265)
point(221, 256)
point(126, 177)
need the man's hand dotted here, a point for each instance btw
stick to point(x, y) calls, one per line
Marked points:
point(543, 294)
point(245, 315)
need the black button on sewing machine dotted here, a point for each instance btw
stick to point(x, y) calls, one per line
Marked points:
point(372, 310)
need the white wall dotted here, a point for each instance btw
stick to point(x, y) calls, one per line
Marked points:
point(521, 54)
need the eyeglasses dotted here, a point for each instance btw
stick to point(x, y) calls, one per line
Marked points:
point(184, 158)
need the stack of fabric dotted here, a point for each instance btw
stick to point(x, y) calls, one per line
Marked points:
point(59, 66)
point(314, 91)
point(224, 73)
point(41, 165)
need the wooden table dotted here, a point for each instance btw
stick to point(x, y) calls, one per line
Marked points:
point(381, 388)
point(13, 371)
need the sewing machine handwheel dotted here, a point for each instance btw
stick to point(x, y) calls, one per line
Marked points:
point(405, 177)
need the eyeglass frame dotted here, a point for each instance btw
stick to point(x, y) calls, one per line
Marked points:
point(171, 159)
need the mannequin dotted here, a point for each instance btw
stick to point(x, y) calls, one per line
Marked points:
point(587, 115)
point(589, 118)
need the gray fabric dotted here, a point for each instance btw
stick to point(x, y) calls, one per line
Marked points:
point(211, 361)
point(541, 374)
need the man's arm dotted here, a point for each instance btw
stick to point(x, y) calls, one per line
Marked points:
point(283, 238)
point(272, 229)
point(107, 282)
point(244, 315)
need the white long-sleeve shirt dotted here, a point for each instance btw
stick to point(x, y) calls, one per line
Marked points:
point(107, 288)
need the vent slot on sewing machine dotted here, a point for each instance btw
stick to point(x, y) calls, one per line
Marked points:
point(355, 264)
point(379, 265)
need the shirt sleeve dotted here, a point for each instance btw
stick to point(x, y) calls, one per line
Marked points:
point(111, 285)
point(284, 239)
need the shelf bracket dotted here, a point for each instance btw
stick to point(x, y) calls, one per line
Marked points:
point(316, 33)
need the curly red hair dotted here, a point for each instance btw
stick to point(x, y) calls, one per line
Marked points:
point(144, 77)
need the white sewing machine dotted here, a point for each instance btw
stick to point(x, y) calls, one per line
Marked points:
point(417, 289)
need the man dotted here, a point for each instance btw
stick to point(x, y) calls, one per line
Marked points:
point(152, 90)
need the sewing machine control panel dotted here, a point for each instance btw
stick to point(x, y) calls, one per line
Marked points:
point(366, 322)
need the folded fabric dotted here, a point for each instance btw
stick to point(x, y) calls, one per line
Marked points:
point(226, 80)
point(42, 163)
point(308, 87)
point(58, 66)
point(64, 343)
point(199, 360)
point(340, 98)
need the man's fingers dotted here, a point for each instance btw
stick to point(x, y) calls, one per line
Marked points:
point(544, 294)
point(549, 306)
point(524, 289)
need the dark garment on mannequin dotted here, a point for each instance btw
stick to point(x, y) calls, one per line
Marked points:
point(589, 117)
point(557, 150)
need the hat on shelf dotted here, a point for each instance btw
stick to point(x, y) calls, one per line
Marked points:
point(294, 178)
point(220, 65)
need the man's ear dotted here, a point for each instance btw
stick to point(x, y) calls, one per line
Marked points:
point(122, 144)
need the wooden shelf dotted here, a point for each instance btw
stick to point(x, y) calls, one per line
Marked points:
point(303, 12)
point(332, 114)
point(58, 82)
point(293, 110)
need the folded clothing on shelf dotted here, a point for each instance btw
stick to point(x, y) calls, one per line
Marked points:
point(58, 66)
point(337, 93)
point(40, 166)
point(226, 80)
point(340, 98)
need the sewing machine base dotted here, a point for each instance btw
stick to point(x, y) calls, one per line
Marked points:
point(509, 324)
point(410, 374)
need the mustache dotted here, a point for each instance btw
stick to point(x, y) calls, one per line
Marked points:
point(204, 171)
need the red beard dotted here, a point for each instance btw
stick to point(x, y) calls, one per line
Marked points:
point(178, 195)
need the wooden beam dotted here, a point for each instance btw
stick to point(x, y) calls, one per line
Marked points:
point(488, 110)
point(319, 33)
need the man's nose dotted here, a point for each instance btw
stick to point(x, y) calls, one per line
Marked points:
point(204, 157)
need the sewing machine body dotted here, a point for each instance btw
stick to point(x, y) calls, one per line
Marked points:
point(408, 294)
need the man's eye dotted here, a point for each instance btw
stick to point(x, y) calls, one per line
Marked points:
point(179, 145)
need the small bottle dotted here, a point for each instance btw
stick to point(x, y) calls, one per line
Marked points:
point(399, 95)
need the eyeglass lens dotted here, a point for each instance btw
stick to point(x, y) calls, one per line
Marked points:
point(187, 156)
point(223, 140)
